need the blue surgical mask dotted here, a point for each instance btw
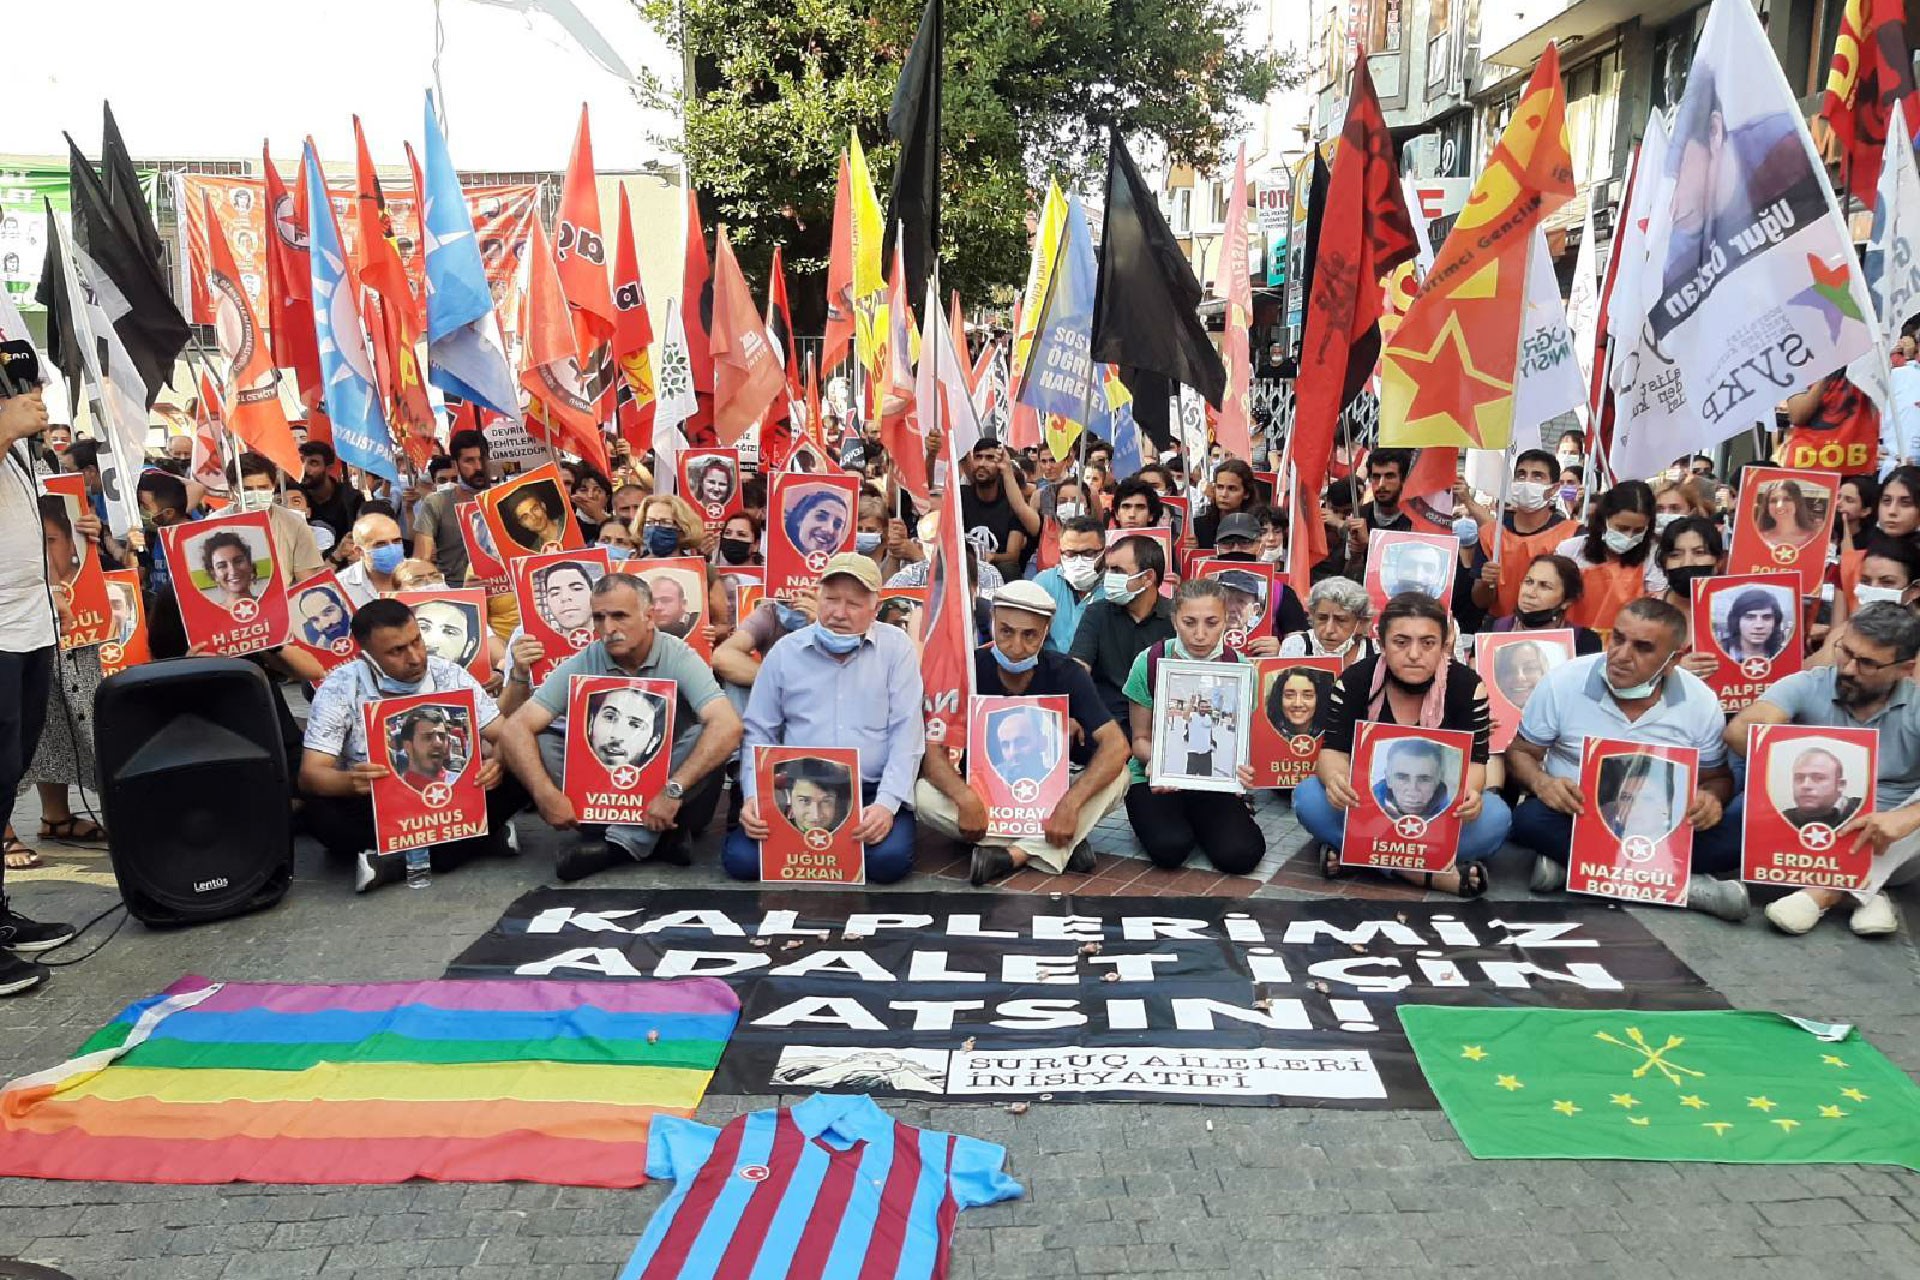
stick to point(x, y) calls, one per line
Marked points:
point(791, 619)
point(1114, 587)
point(386, 558)
point(393, 688)
point(1008, 665)
point(835, 643)
point(1467, 529)
point(662, 540)
point(617, 555)
point(867, 543)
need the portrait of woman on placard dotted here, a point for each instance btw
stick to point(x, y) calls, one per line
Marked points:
point(713, 481)
point(1297, 701)
point(1756, 625)
point(1785, 515)
point(818, 521)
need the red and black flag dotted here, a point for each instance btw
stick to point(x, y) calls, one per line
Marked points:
point(1872, 69)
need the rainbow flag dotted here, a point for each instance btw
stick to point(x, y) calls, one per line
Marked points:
point(461, 1081)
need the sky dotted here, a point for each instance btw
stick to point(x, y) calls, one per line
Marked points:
point(208, 79)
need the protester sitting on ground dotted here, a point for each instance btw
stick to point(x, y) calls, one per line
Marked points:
point(1412, 682)
point(845, 681)
point(1531, 528)
point(1869, 686)
point(1634, 691)
point(336, 775)
point(1338, 612)
point(1129, 616)
point(1073, 582)
point(1018, 664)
point(379, 551)
point(669, 526)
point(1172, 822)
point(1550, 587)
point(1615, 555)
point(706, 731)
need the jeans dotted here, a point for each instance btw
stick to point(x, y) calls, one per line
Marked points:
point(1479, 839)
point(1548, 833)
point(26, 683)
point(887, 861)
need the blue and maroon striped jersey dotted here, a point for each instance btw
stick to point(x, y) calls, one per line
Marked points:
point(829, 1189)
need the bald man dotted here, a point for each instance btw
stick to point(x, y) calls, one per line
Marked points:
point(380, 549)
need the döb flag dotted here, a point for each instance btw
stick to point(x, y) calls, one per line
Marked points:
point(1733, 1086)
point(466, 356)
point(1448, 376)
point(360, 434)
point(913, 209)
point(253, 409)
point(1751, 283)
point(1872, 71)
point(1145, 303)
point(746, 374)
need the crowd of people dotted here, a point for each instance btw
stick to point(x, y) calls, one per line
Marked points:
point(1079, 590)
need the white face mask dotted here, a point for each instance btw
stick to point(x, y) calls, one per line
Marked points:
point(254, 499)
point(1066, 511)
point(1080, 572)
point(1877, 595)
point(1273, 555)
point(1527, 495)
point(1620, 543)
point(1663, 519)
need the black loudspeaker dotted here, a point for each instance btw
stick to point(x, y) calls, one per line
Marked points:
point(193, 778)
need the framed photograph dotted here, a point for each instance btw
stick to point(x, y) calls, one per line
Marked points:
point(811, 521)
point(619, 751)
point(1783, 524)
point(322, 620)
point(1632, 840)
point(1018, 766)
point(485, 568)
point(555, 590)
point(226, 578)
point(529, 515)
point(127, 646)
point(1200, 724)
point(1805, 783)
point(454, 625)
point(710, 480)
point(679, 589)
point(1512, 664)
point(1402, 562)
point(1749, 623)
point(1250, 589)
point(431, 743)
point(1290, 717)
point(810, 800)
point(73, 565)
point(1409, 781)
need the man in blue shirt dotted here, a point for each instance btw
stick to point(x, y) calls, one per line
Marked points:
point(845, 681)
point(1071, 583)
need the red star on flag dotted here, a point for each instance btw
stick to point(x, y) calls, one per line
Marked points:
point(1449, 383)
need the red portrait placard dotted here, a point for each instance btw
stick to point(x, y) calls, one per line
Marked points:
point(430, 742)
point(810, 800)
point(812, 520)
point(1805, 783)
point(529, 515)
point(1511, 664)
point(453, 622)
point(619, 751)
point(1018, 762)
point(1162, 536)
point(1400, 562)
point(1749, 624)
point(1177, 510)
point(1409, 782)
point(710, 480)
point(1250, 588)
point(1631, 839)
point(555, 591)
point(73, 565)
point(485, 569)
point(322, 620)
point(127, 646)
point(226, 578)
point(1290, 718)
point(1783, 524)
point(679, 589)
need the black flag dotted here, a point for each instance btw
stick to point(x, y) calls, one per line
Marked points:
point(124, 196)
point(913, 207)
point(1144, 306)
point(63, 346)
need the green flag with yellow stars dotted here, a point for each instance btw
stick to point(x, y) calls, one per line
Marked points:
point(1728, 1085)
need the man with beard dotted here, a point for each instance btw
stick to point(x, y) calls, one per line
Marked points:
point(999, 522)
point(1869, 685)
point(437, 529)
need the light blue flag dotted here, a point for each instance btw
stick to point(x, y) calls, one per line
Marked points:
point(1061, 377)
point(352, 397)
point(464, 355)
point(1128, 453)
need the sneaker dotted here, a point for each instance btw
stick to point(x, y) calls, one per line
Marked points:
point(588, 857)
point(1082, 861)
point(1875, 918)
point(1726, 899)
point(989, 863)
point(29, 937)
point(1794, 914)
point(1548, 876)
point(371, 870)
point(510, 840)
point(17, 975)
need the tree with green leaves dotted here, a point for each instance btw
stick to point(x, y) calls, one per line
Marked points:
point(1031, 88)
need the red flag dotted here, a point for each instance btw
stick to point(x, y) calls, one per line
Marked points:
point(903, 419)
point(253, 396)
point(1872, 69)
point(289, 282)
point(375, 255)
point(957, 325)
point(696, 315)
point(746, 374)
point(1365, 234)
point(581, 252)
point(946, 626)
point(1234, 428)
point(776, 429)
point(632, 337)
point(839, 335)
point(562, 410)
point(393, 323)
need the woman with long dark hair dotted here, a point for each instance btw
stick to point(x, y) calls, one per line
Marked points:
point(1615, 555)
point(1232, 491)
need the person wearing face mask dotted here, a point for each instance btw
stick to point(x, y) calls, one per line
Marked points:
point(1869, 685)
point(336, 776)
point(1549, 590)
point(1171, 823)
point(1411, 681)
point(1615, 555)
point(299, 555)
point(1855, 524)
point(739, 541)
point(1690, 549)
point(1021, 664)
point(669, 527)
point(1889, 574)
point(1068, 502)
point(1129, 616)
point(1634, 691)
point(1071, 584)
point(1532, 526)
point(618, 541)
point(870, 528)
point(1337, 614)
point(381, 550)
point(846, 681)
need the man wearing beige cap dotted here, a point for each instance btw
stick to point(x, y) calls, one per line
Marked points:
point(844, 681)
point(1018, 665)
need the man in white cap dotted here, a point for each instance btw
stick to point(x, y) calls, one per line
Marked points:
point(1018, 665)
point(844, 681)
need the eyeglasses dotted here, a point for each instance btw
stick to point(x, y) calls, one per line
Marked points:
point(1845, 657)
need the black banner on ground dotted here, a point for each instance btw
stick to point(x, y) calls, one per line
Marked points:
point(992, 997)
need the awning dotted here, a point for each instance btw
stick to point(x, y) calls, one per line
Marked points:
point(1581, 20)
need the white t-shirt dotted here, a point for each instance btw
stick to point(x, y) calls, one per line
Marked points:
point(26, 610)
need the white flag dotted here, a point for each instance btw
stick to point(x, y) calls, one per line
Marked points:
point(940, 383)
point(1893, 281)
point(1753, 293)
point(1626, 309)
point(117, 395)
point(1583, 297)
point(1548, 381)
point(673, 385)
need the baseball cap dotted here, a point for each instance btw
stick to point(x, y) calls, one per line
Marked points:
point(1239, 526)
point(853, 565)
point(1022, 594)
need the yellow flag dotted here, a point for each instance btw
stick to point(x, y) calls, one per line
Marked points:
point(1046, 247)
point(869, 277)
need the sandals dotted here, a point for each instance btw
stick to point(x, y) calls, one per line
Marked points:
point(20, 856)
point(73, 829)
point(1473, 882)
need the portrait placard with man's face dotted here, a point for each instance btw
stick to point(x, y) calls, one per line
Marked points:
point(1410, 782)
point(453, 625)
point(322, 620)
point(1805, 784)
point(1749, 623)
point(555, 591)
point(430, 744)
point(1017, 763)
point(809, 797)
point(619, 751)
point(1400, 562)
